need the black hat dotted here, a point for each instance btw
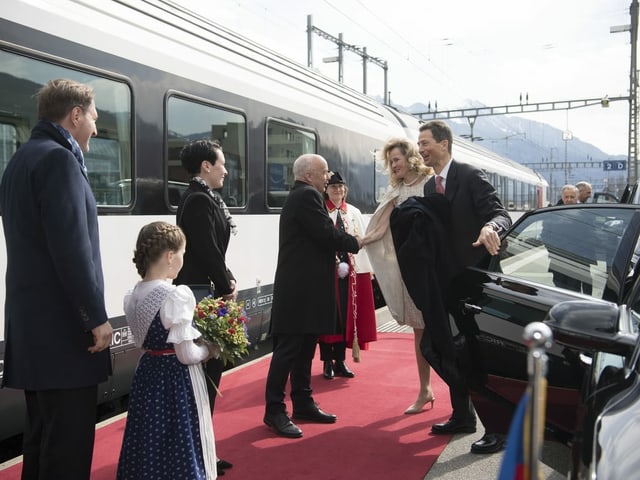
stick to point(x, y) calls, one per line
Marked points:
point(336, 178)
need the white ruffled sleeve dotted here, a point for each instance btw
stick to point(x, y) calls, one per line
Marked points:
point(176, 315)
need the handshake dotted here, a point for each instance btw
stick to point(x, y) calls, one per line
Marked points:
point(362, 241)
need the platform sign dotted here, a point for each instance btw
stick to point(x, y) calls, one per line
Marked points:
point(614, 165)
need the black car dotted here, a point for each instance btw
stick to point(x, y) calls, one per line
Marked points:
point(575, 268)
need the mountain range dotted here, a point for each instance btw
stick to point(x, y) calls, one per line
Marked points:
point(540, 147)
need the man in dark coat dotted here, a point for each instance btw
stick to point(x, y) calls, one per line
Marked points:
point(57, 330)
point(477, 220)
point(304, 295)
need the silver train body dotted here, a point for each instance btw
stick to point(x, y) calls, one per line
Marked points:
point(163, 76)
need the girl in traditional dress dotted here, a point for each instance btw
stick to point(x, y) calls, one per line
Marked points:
point(356, 316)
point(408, 174)
point(169, 433)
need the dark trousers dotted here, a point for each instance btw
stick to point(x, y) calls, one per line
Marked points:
point(444, 359)
point(59, 433)
point(333, 351)
point(213, 370)
point(292, 357)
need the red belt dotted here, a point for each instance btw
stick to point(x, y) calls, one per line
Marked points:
point(157, 353)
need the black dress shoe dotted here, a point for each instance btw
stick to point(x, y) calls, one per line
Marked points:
point(223, 464)
point(327, 371)
point(342, 370)
point(489, 443)
point(282, 425)
point(313, 414)
point(454, 425)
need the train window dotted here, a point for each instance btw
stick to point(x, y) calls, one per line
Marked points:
point(381, 176)
point(24, 76)
point(285, 143)
point(517, 194)
point(498, 184)
point(190, 120)
point(8, 142)
point(109, 159)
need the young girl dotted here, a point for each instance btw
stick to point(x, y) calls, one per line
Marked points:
point(169, 434)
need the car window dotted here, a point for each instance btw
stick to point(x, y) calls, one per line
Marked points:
point(572, 248)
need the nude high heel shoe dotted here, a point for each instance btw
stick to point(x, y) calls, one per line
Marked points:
point(419, 404)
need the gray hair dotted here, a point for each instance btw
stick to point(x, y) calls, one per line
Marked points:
point(568, 186)
point(303, 165)
point(581, 185)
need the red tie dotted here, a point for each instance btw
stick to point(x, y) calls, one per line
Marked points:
point(439, 185)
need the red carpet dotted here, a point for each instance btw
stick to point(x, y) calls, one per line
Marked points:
point(372, 439)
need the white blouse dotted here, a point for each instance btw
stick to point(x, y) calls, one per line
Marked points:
point(176, 305)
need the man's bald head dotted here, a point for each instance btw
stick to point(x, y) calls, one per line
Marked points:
point(313, 170)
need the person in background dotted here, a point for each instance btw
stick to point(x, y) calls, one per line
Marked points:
point(356, 315)
point(304, 295)
point(569, 195)
point(584, 191)
point(57, 349)
point(477, 220)
point(168, 434)
point(205, 220)
point(407, 177)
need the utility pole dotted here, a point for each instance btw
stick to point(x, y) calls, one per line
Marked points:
point(633, 97)
point(309, 41)
point(345, 46)
point(633, 91)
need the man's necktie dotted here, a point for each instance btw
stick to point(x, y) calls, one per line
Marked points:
point(439, 185)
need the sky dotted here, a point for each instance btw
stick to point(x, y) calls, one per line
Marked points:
point(455, 51)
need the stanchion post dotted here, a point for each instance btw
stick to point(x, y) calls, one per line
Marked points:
point(538, 338)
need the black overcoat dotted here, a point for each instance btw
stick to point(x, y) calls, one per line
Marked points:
point(304, 292)
point(474, 202)
point(207, 230)
point(54, 281)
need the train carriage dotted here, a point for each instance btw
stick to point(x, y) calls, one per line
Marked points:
point(163, 76)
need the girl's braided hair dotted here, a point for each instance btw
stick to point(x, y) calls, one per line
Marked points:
point(153, 240)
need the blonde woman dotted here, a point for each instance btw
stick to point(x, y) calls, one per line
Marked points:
point(407, 174)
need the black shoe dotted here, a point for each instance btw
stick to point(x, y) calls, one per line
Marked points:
point(313, 414)
point(328, 370)
point(282, 425)
point(223, 464)
point(342, 370)
point(489, 443)
point(454, 426)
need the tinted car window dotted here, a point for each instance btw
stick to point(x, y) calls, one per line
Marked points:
point(572, 248)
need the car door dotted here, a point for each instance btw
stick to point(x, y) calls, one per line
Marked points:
point(549, 256)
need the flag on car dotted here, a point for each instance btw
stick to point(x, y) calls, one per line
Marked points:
point(516, 464)
point(513, 465)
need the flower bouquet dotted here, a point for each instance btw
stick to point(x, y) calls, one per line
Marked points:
point(223, 322)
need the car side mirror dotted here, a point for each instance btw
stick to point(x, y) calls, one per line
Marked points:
point(590, 326)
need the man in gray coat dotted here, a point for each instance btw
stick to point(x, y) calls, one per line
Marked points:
point(57, 329)
point(304, 295)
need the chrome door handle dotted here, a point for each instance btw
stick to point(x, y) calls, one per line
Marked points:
point(471, 308)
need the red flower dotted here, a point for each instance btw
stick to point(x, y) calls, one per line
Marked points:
point(201, 314)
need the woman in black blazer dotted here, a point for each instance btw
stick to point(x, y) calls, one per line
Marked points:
point(205, 220)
